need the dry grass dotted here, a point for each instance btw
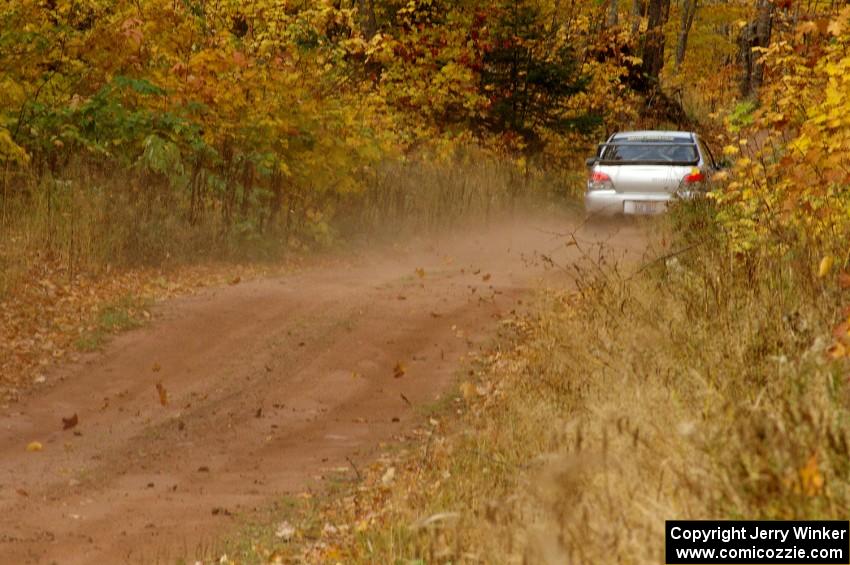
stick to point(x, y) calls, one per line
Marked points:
point(84, 220)
point(422, 194)
point(697, 388)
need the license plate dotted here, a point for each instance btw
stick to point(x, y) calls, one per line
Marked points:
point(643, 207)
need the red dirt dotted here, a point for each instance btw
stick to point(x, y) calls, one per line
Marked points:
point(268, 384)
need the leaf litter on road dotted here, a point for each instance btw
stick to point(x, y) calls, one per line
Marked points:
point(163, 394)
point(68, 423)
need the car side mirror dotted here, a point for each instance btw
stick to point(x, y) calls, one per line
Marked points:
point(589, 162)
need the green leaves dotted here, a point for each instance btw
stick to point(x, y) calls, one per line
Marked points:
point(161, 156)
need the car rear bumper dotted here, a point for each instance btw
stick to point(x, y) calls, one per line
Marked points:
point(613, 203)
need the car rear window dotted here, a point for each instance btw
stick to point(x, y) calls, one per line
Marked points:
point(655, 152)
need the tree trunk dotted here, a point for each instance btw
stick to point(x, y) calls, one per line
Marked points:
point(637, 14)
point(764, 24)
point(613, 16)
point(689, 10)
point(653, 46)
point(756, 34)
point(366, 9)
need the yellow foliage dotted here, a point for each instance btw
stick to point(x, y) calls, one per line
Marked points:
point(795, 180)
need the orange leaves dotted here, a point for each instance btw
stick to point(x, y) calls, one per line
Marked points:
point(131, 29)
point(840, 23)
point(837, 351)
point(810, 478)
point(240, 60)
point(840, 347)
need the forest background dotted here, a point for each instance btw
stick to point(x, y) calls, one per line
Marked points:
point(137, 136)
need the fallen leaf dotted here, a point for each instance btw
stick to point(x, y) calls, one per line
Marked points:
point(156, 368)
point(34, 446)
point(388, 477)
point(486, 277)
point(68, 423)
point(235, 280)
point(420, 272)
point(203, 469)
point(811, 479)
point(401, 297)
point(825, 266)
point(163, 394)
point(837, 351)
point(436, 315)
point(22, 492)
point(399, 370)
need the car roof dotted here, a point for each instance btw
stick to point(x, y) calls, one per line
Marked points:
point(653, 134)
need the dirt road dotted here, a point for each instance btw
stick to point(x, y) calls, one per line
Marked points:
point(267, 384)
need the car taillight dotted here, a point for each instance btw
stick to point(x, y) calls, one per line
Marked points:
point(599, 181)
point(694, 177)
